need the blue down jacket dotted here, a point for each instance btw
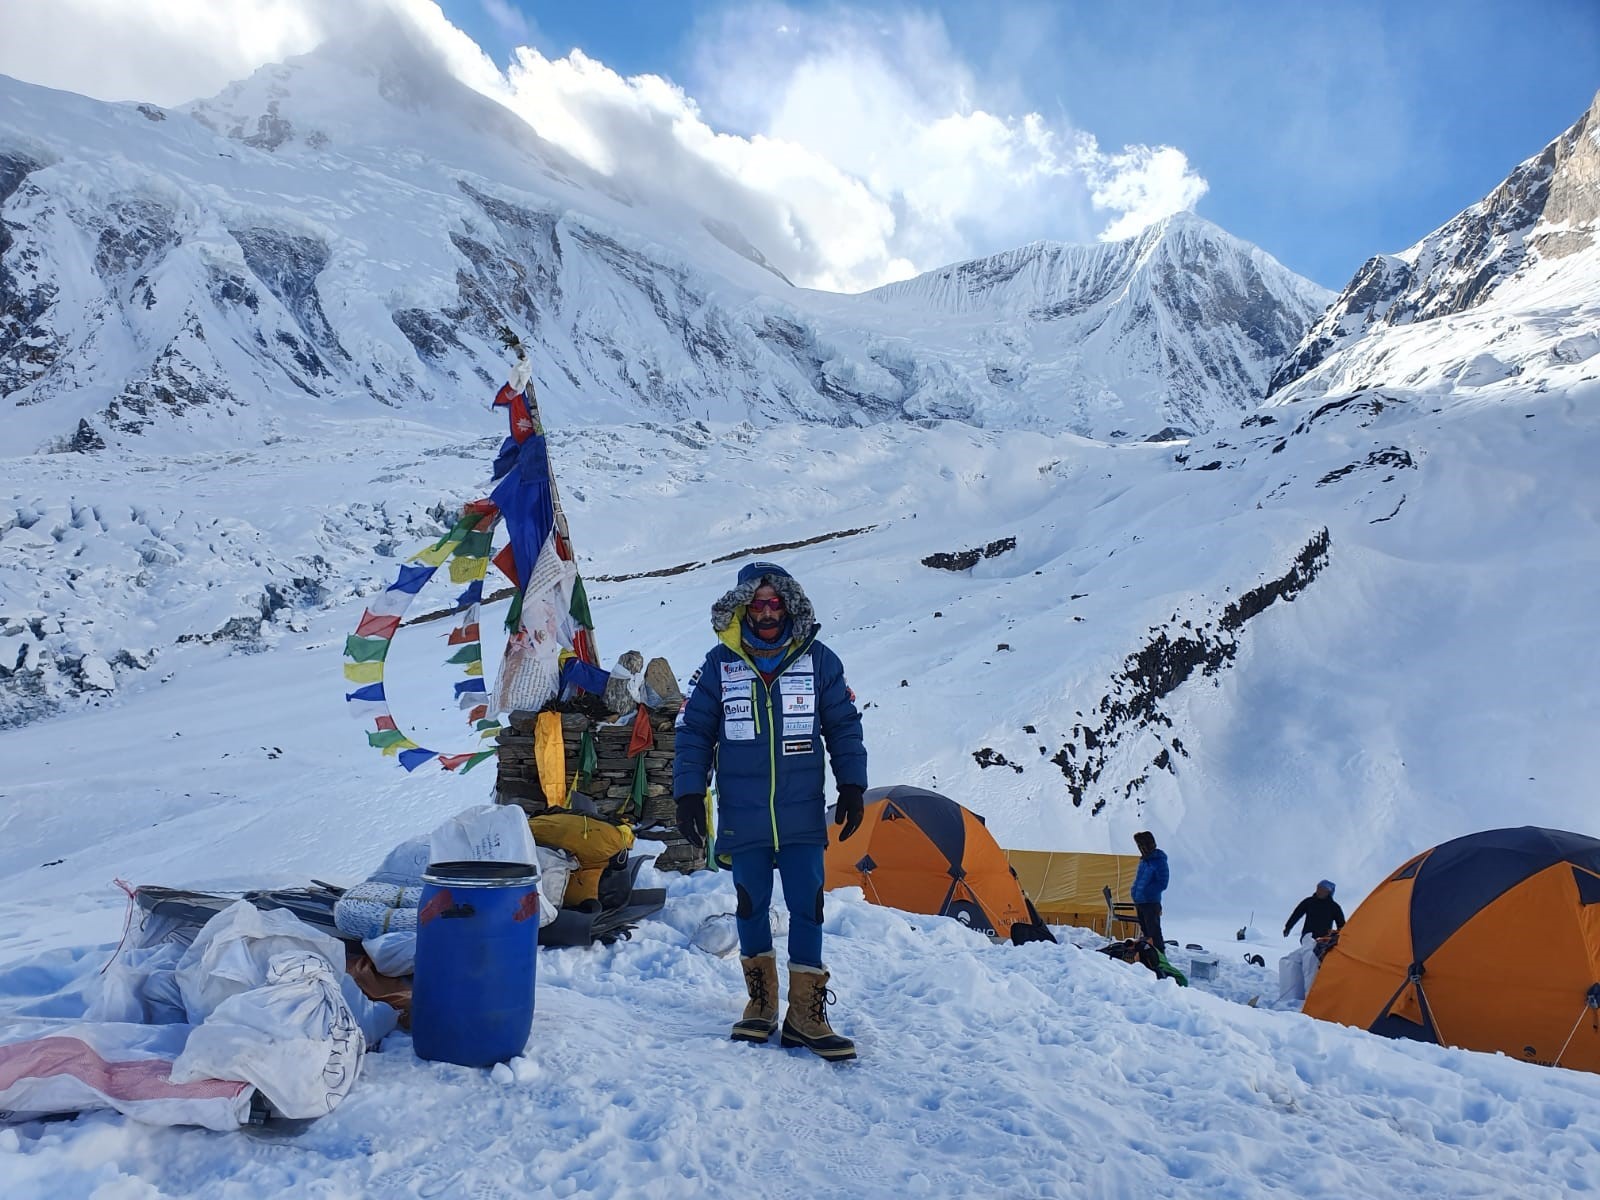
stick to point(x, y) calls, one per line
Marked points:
point(1151, 879)
point(766, 742)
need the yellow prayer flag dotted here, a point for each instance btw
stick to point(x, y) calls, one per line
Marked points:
point(367, 672)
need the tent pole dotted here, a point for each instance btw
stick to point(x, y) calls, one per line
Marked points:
point(1589, 1002)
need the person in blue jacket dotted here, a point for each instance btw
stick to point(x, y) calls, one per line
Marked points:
point(1148, 884)
point(764, 704)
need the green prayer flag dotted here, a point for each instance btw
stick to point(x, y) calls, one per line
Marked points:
point(475, 544)
point(365, 649)
point(470, 653)
point(636, 796)
point(476, 759)
point(459, 530)
point(580, 604)
point(384, 738)
point(587, 763)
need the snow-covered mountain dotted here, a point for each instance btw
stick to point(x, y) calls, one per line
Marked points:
point(1509, 288)
point(1321, 606)
point(346, 232)
point(1183, 323)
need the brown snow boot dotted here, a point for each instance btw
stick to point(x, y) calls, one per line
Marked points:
point(806, 1022)
point(761, 1014)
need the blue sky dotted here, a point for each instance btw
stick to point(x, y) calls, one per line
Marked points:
point(856, 142)
point(1324, 132)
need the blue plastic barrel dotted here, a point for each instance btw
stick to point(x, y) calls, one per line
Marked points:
point(477, 946)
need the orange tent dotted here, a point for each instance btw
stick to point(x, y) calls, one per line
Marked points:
point(924, 853)
point(1488, 942)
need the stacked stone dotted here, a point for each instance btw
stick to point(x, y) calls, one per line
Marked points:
point(612, 785)
point(517, 781)
point(610, 725)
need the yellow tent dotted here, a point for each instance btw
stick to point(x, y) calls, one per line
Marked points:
point(1069, 888)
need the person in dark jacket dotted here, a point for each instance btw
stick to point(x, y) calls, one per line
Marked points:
point(1148, 884)
point(761, 709)
point(1321, 912)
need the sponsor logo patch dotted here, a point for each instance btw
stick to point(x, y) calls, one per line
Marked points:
point(798, 746)
point(801, 665)
point(738, 710)
point(798, 726)
point(794, 705)
point(736, 672)
point(739, 731)
point(799, 685)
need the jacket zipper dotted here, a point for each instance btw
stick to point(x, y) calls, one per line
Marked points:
point(772, 749)
point(772, 766)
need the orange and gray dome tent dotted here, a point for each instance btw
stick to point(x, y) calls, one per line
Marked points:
point(1488, 942)
point(924, 853)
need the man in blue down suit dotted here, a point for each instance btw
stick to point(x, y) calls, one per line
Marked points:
point(760, 710)
point(1148, 884)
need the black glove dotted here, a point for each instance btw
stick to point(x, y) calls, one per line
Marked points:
point(692, 818)
point(849, 809)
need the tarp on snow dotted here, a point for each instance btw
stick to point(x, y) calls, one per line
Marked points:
point(1068, 888)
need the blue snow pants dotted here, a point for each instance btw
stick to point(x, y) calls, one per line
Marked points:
point(800, 869)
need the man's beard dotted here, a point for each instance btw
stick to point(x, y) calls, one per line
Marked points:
point(767, 628)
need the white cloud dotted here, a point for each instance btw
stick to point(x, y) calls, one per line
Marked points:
point(852, 149)
point(168, 52)
point(813, 221)
point(889, 99)
point(1141, 184)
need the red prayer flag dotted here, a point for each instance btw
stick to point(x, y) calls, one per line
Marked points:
point(506, 563)
point(378, 627)
point(583, 647)
point(463, 635)
point(385, 722)
point(644, 733)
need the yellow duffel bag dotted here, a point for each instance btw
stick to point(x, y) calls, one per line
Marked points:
point(593, 842)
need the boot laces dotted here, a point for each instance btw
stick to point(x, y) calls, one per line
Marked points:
point(756, 981)
point(820, 999)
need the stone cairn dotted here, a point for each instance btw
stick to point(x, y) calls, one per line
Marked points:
point(609, 722)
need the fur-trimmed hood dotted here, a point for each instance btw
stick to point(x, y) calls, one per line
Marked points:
point(751, 576)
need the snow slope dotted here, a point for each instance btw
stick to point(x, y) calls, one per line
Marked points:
point(1033, 1071)
point(1374, 609)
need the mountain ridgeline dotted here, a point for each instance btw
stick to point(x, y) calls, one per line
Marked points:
point(211, 275)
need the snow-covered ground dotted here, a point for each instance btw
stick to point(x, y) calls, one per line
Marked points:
point(1433, 675)
point(1034, 1071)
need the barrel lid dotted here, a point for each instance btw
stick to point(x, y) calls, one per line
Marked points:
point(480, 874)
